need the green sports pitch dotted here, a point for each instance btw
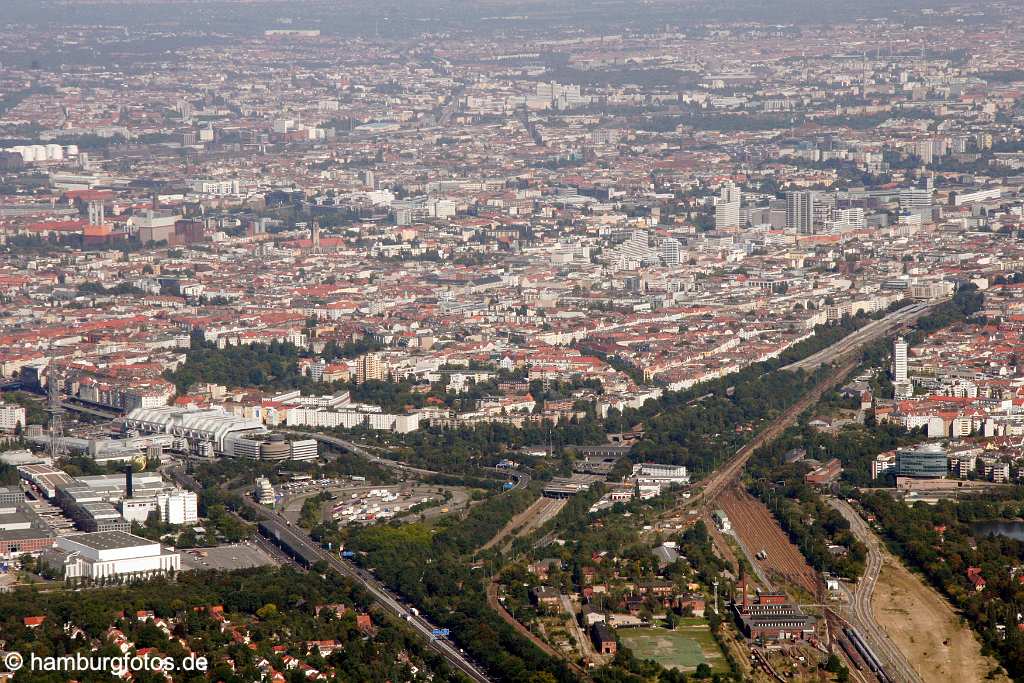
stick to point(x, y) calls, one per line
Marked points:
point(682, 649)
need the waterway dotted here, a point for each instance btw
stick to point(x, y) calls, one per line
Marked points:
point(1013, 530)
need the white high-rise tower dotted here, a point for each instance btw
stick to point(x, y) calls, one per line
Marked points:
point(902, 385)
point(899, 360)
point(727, 207)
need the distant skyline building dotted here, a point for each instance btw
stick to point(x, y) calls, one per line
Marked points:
point(727, 207)
point(914, 198)
point(370, 366)
point(904, 388)
point(670, 251)
point(843, 220)
point(899, 360)
point(637, 250)
point(800, 211)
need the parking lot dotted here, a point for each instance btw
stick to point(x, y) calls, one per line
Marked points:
point(362, 503)
point(300, 486)
point(233, 556)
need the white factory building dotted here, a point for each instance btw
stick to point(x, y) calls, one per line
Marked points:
point(178, 507)
point(654, 473)
point(107, 554)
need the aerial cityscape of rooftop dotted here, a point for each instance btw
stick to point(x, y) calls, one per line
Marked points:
point(529, 342)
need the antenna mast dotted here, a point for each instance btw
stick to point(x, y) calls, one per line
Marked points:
point(56, 411)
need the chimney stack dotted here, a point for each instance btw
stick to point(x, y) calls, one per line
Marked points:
point(128, 488)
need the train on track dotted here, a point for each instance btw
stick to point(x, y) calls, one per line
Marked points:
point(867, 655)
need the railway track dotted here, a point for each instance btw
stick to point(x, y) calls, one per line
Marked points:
point(306, 552)
point(873, 330)
point(759, 531)
point(530, 519)
point(728, 475)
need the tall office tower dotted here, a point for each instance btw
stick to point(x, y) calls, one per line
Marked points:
point(800, 211)
point(899, 360)
point(925, 149)
point(902, 386)
point(729, 192)
point(727, 207)
point(670, 252)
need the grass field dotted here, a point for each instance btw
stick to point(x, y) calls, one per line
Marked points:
point(686, 647)
point(924, 626)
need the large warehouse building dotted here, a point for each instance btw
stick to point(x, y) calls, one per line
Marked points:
point(211, 432)
point(108, 554)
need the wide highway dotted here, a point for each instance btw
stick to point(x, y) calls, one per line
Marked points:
point(362, 452)
point(299, 540)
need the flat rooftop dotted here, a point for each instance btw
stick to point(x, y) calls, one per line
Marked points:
point(110, 540)
point(25, 534)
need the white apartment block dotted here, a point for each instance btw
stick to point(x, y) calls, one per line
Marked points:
point(178, 507)
point(11, 417)
point(311, 417)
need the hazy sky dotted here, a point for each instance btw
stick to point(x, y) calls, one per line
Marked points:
point(357, 16)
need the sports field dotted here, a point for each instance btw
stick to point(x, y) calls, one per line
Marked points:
point(686, 647)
